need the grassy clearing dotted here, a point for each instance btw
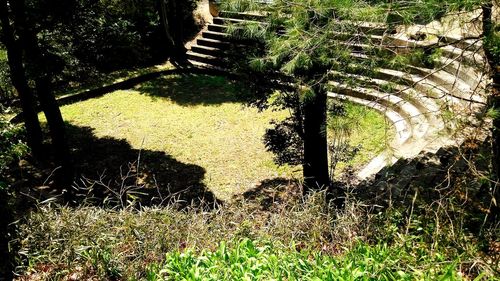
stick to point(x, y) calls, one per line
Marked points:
point(193, 127)
point(194, 119)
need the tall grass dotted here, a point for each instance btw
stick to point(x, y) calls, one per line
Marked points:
point(294, 240)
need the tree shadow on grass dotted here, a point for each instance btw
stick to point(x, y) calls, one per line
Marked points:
point(114, 172)
point(194, 89)
point(273, 193)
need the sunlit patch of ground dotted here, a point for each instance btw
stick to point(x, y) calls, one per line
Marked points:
point(201, 130)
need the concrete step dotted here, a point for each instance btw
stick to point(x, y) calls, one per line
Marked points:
point(422, 85)
point(453, 84)
point(206, 59)
point(473, 45)
point(242, 15)
point(424, 104)
point(357, 38)
point(473, 59)
point(469, 75)
point(217, 27)
point(366, 28)
point(417, 120)
point(204, 50)
point(223, 20)
point(215, 35)
point(207, 42)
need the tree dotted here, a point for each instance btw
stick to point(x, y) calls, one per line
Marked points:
point(491, 38)
point(20, 82)
point(40, 68)
point(302, 48)
point(174, 15)
point(305, 42)
point(27, 61)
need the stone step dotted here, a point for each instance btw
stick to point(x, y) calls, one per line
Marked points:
point(215, 35)
point(224, 21)
point(207, 42)
point(217, 27)
point(242, 15)
point(211, 51)
point(453, 84)
point(424, 104)
point(417, 120)
point(206, 59)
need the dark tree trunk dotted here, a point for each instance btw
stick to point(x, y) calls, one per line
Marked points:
point(20, 82)
point(493, 100)
point(173, 27)
point(40, 70)
point(315, 142)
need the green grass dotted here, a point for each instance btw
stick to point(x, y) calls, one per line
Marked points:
point(195, 119)
point(298, 240)
point(205, 132)
point(369, 129)
point(248, 260)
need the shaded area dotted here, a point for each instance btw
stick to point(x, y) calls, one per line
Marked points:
point(272, 194)
point(115, 172)
point(450, 186)
point(195, 89)
point(154, 88)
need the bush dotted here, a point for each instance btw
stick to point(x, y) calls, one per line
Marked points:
point(6, 93)
point(85, 38)
point(12, 146)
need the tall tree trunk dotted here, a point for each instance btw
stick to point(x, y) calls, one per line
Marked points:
point(493, 98)
point(315, 142)
point(172, 25)
point(40, 69)
point(20, 82)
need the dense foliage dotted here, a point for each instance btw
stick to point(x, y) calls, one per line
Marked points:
point(6, 92)
point(85, 39)
point(12, 146)
point(306, 42)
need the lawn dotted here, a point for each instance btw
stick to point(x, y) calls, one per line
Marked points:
point(192, 132)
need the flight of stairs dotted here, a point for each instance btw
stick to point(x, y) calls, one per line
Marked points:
point(213, 43)
point(428, 107)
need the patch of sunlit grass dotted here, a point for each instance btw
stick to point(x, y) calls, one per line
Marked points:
point(197, 120)
point(201, 120)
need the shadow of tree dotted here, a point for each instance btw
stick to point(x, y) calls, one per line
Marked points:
point(194, 89)
point(271, 193)
point(112, 170)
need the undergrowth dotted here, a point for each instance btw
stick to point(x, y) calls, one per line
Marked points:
point(248, 260)
point(290, 240)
